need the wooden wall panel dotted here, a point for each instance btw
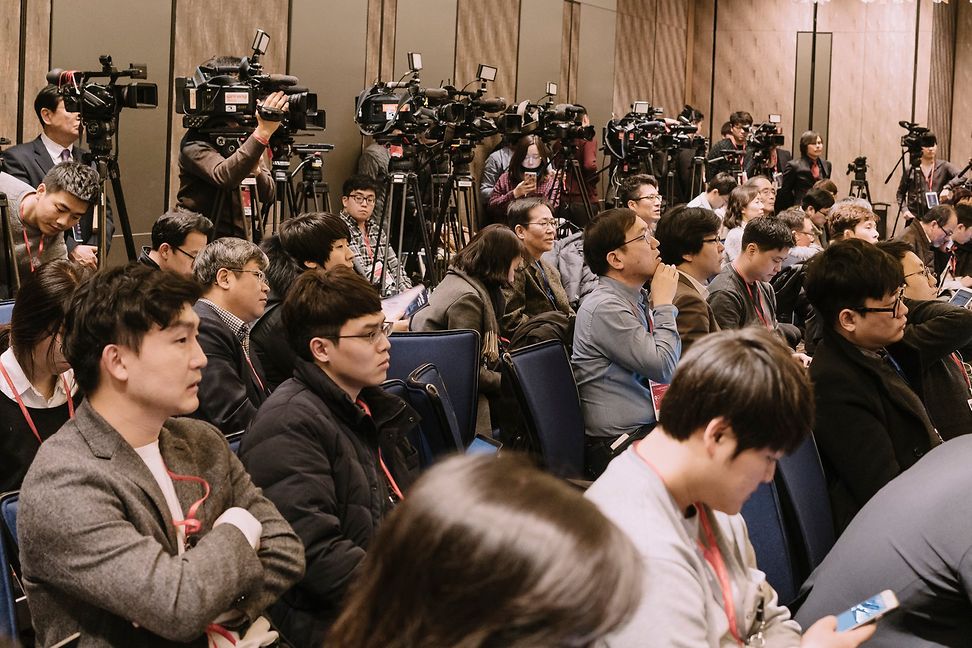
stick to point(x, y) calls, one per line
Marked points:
point(10, 68)
point(699, 89)
point(942, 71)
point(36, 62)
point(496, 46)
point(961, 149)
point(668, 89)
point(634, 55)
point(232, 34)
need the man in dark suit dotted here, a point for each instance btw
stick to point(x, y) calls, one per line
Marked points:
point(32, 160)
point(233, 385)
point(871, 425)
point(688, 238)
point(115, 502)
point(929, 231)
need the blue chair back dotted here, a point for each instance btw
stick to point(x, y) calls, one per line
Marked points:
point(543, 382)
point(8, 605)
point(764, 519)
point(234, 441)
point(456, 354)
point(431, 398)
point(6, 310)
point(803, 487)
point(416, 435)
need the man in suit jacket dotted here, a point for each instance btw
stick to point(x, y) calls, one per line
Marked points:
point(688, 238)
point(871, 425)
point(32, 160)
point(930, 230)
point(235, 294)
point(137, 529)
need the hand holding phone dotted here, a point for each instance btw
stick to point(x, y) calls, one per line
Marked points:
point(867, 611)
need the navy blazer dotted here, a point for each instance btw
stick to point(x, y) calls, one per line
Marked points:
point(229, 393)
point(797, 180)
point(30, 162)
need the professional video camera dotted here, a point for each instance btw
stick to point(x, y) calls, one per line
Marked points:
point(547, 120)
point(917, 137)
point(217, 92)
point(761, 140)
point(858, 167)
point(100, 103)
point(642, 133)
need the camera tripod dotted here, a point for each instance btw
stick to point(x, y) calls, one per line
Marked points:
point(311, 193)
point(917, 180)
point(456, 209)
point(403, 194)
point(106, 163)
point(572, 166)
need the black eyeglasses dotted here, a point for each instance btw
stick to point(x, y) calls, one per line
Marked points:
point(715, 239)
point(374, 336)
point(928, 272)
point(179, 249)
point(655, 197)
point(646, 237)
point(884, 309)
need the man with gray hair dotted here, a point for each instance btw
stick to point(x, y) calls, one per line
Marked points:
point(235, 289)
point(38, 218)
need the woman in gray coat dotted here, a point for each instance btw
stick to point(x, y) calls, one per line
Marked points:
point(470, 297)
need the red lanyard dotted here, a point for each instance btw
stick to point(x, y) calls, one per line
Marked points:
point(253, 369)
point(756, 301)
point(955, 359)
point(23, 408)
point(710, 550)
point(191, 523)
point(930, 176)
point(40, 246)
point(711, 554)
point(391, 480)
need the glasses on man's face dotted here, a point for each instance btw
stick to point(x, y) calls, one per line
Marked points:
point(191, 256)
point(644, 236)
point(375, 335)
point(948, 232)
point(362, 199)
point(259, 274)
point(715, 239)
point(653, 197)
point(546, 223)
point(893, 309)
point(929, 275)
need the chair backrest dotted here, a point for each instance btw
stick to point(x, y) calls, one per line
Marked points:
point(431, 398)
point(6, 310)
point(234, 439)
point(803, 489)
point(543, 382)
point(767, 533)
point(8, 605)
point(456, 354)
point(416, 435)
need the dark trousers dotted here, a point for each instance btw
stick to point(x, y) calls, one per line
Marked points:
point(598, 452)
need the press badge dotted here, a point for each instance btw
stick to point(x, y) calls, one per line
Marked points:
point(931, 199)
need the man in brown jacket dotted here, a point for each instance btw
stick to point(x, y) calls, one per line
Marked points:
point(688, 238)
point(137, 529)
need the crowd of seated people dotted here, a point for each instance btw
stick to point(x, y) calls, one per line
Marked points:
point(118, 390)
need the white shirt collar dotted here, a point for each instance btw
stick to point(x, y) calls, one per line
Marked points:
point(702, 288)
point(30, 396)
point(53, 148)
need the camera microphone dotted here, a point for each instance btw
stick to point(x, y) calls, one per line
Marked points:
point(294, 89)
point(282, 79)
point(436, 94)
point(906, 124)
point(56, 76)
point(493, 104)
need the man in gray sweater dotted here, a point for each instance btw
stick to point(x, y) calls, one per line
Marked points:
point(38, 218)
point(736, 404)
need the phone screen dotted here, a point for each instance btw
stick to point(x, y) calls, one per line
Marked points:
point(483, 445)
point(530, 175)
point(961, 298)
point(867, 611)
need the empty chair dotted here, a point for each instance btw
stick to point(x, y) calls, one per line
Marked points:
point(543, 383)
point(456, 354)
point(803, 492)
point(767, 533)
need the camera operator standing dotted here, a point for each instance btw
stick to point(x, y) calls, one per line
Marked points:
point(727, 154)
point(801, 174)
point(936, 176)
point(205, 174)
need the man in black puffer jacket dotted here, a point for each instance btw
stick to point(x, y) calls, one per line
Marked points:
point(328, 447)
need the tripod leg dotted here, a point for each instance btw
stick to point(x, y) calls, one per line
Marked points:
point(122, 214)
point(430, 252)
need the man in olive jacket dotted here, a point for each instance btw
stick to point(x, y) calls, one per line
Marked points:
point(137, 529)
point(328, 447)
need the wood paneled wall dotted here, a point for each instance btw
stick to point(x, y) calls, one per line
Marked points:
point(961, 136)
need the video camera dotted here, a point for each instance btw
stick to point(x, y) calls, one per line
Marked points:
point(917, 138)
point(216, 92)
point(858, 167)
point(547, 120)
point(766, 135)
point(642, 132)
point(100, 103)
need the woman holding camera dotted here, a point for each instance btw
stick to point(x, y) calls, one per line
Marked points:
point(800, 175)
point(530, 174)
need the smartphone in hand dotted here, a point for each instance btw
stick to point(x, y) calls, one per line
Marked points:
point(867, 611)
